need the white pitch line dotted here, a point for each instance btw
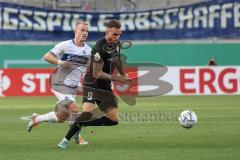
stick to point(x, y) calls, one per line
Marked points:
point(26, 118)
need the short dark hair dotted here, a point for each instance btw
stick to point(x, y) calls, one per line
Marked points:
point(113, 24)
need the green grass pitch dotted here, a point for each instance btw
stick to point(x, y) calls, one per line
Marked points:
point(215, 137)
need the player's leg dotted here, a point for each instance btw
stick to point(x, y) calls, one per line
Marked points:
point(88, 119)
point(106, 102)
point(73, 109)
point(62, 111)
point(112, 114)
point(73, 112)
point(60, 114)
point(66, 105)
point(87, 107)
point(36, 119)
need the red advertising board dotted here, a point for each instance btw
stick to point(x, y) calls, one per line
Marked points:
point(35, 82)
point(148, 81)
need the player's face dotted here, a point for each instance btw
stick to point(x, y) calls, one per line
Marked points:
point(113, 34)
point(81, 32)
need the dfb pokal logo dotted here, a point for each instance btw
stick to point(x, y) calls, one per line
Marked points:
point(4, 83)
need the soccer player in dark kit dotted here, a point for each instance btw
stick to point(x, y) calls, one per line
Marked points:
point(105, 58)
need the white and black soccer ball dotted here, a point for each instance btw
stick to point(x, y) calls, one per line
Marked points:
point(187, 118)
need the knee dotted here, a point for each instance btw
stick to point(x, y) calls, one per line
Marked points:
point(61, 118)
point(73, 107)
point(88, 107)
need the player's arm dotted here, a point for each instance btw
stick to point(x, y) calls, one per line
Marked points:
point(119, 67)
point(99, 74)
point(52, 58)
point(52, 55)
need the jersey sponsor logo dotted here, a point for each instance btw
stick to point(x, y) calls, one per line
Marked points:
point(74, 58)
point(114, 59)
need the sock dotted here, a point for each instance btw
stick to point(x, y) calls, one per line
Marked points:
point(48, 117)
point(87, 119)
point(82, 120)
point(102, 121)
point(72, 118)
point(74, 129)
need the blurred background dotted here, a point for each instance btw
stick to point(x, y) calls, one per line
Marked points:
point(103, 5)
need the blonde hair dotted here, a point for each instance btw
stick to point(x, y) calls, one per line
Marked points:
point(81, 22)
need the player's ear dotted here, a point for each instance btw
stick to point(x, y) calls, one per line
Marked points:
point(74, 29)
point(107, 31)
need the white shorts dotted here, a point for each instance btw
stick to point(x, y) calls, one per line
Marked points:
point(64, 97)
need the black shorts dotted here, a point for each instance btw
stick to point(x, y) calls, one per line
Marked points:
point(103, 97)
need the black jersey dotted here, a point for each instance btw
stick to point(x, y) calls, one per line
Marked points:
point(109, 54)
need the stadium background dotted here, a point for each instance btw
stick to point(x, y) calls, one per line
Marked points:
point(211, 91)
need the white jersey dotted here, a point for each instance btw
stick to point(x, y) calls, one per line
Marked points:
point(79, 56)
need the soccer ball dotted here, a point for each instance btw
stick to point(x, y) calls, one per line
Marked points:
point(187, 118)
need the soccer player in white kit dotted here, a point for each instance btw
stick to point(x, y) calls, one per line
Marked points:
point(72, 58)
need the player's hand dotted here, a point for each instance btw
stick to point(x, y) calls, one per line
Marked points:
point(123, 79)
